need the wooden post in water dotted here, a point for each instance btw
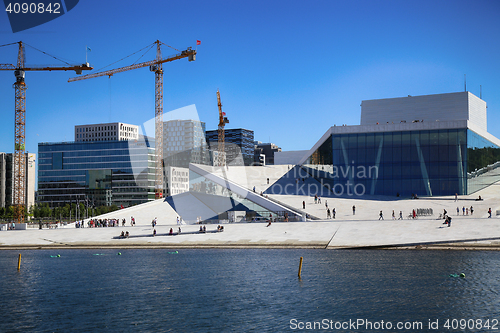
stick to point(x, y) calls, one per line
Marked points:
point(19, 262)
point(300, 266)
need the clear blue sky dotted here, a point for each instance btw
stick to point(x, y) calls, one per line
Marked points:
point(286, 69)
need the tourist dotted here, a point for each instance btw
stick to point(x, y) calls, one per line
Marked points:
point(179, 231)
point(328, 214)
point(471, 210)
point(303, 205)
point(201, 228)
point(319, 199)
point(400, 215)
point(268, 224)
point(127, 234)
point(171, 231)
point(381, 216)
point(456, 197)
point(326, 203)
point(204, 229)
point(393, 215)
point(489, 213)
point(458, 211)
point(154, 232)
point(353, 210)
point(463, 210)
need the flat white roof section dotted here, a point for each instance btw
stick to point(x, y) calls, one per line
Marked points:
point(428, 108)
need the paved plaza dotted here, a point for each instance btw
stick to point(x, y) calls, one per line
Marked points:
point(362, 230)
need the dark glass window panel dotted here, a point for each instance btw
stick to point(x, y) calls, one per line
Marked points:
point(434, 138)
point(424, 138)
point(396, 139)
point(361, 140)
point(443, 138)
point(370, 140)
point(388, 139)
point(405, 138)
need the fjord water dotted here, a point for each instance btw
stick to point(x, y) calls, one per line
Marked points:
point(243, 290)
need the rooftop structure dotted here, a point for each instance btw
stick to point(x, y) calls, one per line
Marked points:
point(106, 132)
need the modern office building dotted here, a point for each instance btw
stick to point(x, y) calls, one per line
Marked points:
point(7, 179)
point(100, 172)
point(422, 145)
point(238, 144)
point(266, 149)
point(184, 142)
point(106, 132)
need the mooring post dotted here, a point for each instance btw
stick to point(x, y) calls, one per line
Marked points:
point(300, 266)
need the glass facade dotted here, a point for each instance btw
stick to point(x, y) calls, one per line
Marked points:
point(104, 173)
point(424, 163)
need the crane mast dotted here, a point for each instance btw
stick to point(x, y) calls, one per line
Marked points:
point(158, 122)
point(19, 197)
point(221, 156)
point(19, 169)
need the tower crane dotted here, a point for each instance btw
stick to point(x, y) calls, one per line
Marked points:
point(221, 156)
point(156, 67)
point(19, 197)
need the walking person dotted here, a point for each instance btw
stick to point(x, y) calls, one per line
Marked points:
point(400, 215)
point(393, 215)
point(489, 212)
point(303, 205)
point(381, 216)
point(353, 210)
point(471, 210)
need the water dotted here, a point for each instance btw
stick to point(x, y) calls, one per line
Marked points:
point(245, 290)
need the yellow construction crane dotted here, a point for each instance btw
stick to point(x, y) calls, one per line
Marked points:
point(221, 156)
point(19, 197)
point(156, 67)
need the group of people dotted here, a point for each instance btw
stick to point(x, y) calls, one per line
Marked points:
point(124, 234)
point(465, 210)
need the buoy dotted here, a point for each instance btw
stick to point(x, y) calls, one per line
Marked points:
point(119, 253)
point(58, 255)
point(462, 275)
point(173, 252)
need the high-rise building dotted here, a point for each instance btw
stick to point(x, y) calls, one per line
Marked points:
point(7, 179)
point(106, 132)
point(239, 143)
point(184, 142)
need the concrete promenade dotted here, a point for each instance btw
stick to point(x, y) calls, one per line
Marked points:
point(471, 233)
point(360, 230)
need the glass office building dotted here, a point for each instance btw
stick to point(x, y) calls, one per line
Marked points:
point(425, 157)
point(103, 173)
